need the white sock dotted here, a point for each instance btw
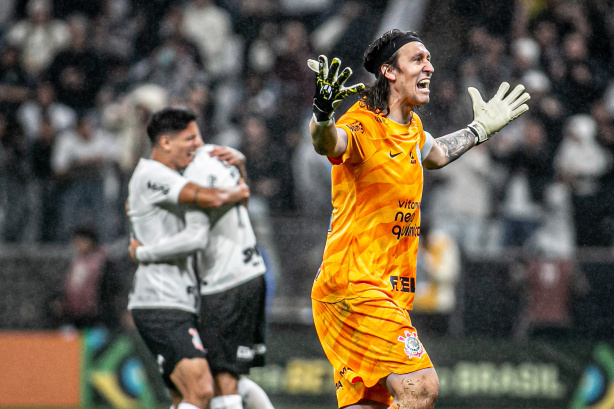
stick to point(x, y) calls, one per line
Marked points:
point(254, 397)
point(226, 402)
point(185, 405)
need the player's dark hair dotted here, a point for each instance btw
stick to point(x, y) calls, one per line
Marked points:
point(375, 95)
point(169, 120)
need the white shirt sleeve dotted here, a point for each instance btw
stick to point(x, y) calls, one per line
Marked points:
point(194, 237)
point(164, 185)
point(428, 144)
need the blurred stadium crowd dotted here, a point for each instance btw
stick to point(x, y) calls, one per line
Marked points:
point(79, 79)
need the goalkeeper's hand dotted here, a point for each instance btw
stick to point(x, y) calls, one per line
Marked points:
point(329, 87)
point(490, 117)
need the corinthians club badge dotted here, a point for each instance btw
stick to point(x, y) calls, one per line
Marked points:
point(413, 347)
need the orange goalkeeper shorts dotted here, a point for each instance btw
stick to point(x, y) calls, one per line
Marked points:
point(366, 340)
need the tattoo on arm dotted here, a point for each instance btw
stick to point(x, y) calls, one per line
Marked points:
point(456, 144)
point(196, 195)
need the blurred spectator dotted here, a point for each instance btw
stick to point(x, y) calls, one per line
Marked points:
point(605, 137)
point(114, 31)
point(267, 165)
point(15, 83)
point(530, 172)
point(170, 66)
point(128, 119)
point(526, 53)
point(250, 15)
point(580, 162)
point(551, 60)
point(7, 10)
point(444, 114)
point(295, 78)
point(15, 179)
point(45, 108)
point(312, 180)
point(549, 276)
point(439, 269)
point(585, 79)
point(461, 201)
point(171, 27)
point(90, 295)
point(198, 99)
point(39, 36)
point(78, 72)
point(261, 52)
point(328, 34)
point(84, 161)
point(210, 27)
point(545, 106)
point(47, 193)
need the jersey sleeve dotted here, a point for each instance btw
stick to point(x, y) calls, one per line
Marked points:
point(163, 185)
point(427, 145)
point(360, 130)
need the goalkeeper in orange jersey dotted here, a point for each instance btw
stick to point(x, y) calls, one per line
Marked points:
point(365, 287)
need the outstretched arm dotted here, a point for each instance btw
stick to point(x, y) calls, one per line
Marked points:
point(327, 139)
point(488, 119)
point(448, 148)
point(330, 92)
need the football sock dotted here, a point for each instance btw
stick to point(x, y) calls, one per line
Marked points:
point(226, 402)
point(185, 405)
point(254, 397)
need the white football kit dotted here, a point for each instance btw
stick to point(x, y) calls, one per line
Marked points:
point(229, 255)
point(156, 215)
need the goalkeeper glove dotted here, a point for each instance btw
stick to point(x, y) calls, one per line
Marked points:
point(329, 87)
point(490, 117)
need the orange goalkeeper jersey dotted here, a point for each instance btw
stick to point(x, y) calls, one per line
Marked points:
point(372, 243)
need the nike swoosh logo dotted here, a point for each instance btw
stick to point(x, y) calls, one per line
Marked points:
point(395, 155)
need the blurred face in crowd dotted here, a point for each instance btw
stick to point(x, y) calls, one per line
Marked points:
point(83, 245)
point(84, 129)
point(45, 94)
point(182, 146)
point(255, 132)
point(575, 47)
point(411, 80)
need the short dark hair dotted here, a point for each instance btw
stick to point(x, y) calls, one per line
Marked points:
point(375, 95)
point(168, 120)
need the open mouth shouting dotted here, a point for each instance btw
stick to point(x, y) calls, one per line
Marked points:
point(423, 85)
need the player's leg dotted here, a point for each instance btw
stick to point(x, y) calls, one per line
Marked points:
point(253, 396)
point(413, 390)
point(193, 380)
point(171, 337)
point(176, 396)
point(226, 392)
point(351, 332)
point(233, 333)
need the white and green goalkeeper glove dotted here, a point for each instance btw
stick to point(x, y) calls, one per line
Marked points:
point(490, 117)
point(330, 91)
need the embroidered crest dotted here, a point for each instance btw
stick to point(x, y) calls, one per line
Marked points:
point(413, 347)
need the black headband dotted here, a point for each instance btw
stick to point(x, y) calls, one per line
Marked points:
point(387, 51)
